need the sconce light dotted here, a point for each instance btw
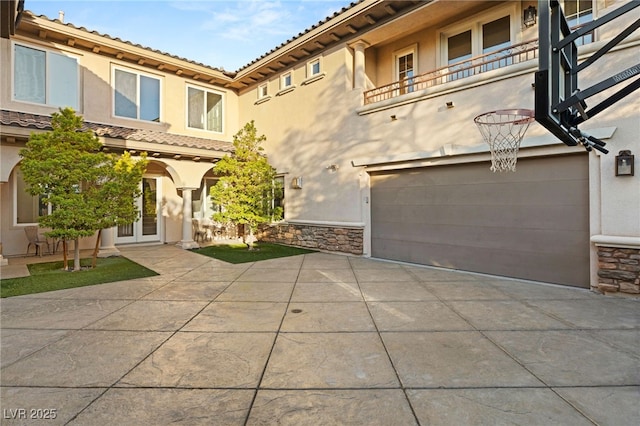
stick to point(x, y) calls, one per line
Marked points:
point(296, 182)
point(450, 104)
point(333, 167)
point(624, 163)
point(530, 16)
point(394, 118)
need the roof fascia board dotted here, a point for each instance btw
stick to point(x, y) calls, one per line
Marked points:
point(125, 47)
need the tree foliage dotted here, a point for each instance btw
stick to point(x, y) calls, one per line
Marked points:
point(244, 191)
point(88, 189)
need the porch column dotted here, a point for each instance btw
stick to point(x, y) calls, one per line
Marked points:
point(359, 76)
point(107, 243)
point(3, 261)
point(187, 212)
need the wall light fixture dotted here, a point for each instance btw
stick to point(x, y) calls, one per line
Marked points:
point(624, 163)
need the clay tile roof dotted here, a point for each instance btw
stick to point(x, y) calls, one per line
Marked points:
point(308, 30)
point(118, 39)
point(43, 122)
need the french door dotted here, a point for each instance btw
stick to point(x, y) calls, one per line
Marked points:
point(147, 228)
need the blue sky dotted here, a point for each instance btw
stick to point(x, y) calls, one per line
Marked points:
point(222, 34)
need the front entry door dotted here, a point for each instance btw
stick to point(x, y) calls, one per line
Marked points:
point(147, 228)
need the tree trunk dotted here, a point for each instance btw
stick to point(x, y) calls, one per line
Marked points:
point(64, 254)
point(250, 239)
point(95, 250)
point(76, 255)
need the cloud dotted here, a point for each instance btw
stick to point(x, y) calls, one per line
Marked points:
point(248, 20)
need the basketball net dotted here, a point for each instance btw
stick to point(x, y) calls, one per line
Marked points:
point(503, 131)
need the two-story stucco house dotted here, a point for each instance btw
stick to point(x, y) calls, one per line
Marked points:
point(369, 123)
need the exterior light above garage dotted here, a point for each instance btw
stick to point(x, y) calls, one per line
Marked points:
point(624, 163)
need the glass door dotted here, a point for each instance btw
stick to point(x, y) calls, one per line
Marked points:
point(147, 228)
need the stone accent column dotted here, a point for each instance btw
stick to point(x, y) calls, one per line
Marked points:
point(107, 243)
point(187, 213)
point(619, 270)
point(324, 237)
point(359, 76)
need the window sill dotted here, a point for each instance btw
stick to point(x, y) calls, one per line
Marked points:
point(196, 129)
point(262, 100)
point(314, 78)
point(138, 120)
point(286, 90)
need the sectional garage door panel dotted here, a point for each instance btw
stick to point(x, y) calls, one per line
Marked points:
point(532, 224)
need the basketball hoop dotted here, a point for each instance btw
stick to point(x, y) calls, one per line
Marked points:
point(503, 130)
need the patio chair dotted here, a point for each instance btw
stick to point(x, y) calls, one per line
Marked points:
point(35, 240)
point(198, 232)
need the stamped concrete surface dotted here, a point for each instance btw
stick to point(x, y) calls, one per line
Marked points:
point(317, 339)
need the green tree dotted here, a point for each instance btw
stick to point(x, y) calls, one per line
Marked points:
point(245, 189)
point(117, 189)
point(87, 188)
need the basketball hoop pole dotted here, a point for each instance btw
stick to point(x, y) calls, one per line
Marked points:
point(559, 104)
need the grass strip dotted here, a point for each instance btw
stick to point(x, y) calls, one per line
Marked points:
point(50, 276)
point(238, 253)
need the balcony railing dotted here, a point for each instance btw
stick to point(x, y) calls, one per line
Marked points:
point(499, 59)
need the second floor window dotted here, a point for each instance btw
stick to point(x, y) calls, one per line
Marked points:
point(263, 91)
point(286, 81)
point(488, 37)
point(136, 96)
point(579, 12)
point(313, 68)
point(45, 77)
point(204, 109)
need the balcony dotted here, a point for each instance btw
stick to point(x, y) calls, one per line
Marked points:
point(492, 61)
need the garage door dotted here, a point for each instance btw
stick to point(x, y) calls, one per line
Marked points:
point(532, 224)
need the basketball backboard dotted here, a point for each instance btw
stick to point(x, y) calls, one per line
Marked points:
point(560, 102)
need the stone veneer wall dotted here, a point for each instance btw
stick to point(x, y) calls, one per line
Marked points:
point(619, 270)
point(323, 237)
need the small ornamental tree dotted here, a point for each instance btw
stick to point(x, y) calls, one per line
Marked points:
point(87, 188)
point(115, 206)
point(244, 191)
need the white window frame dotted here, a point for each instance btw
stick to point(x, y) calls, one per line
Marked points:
point(35, 198)
point(48, 83)
point(310, 75)
point(283, 79)
point(263, 97)
point(138, 74)
point(263, 91)
point(589, 37)
point(137, 226)
point(311, 64)
point(475, 23)
point(206, 90)
point(284, 88)
point(413, 50)
point(281, 177)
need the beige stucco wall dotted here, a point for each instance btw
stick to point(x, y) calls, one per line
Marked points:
point(96, 106)
point(308, 129)
point(325, 123)
point(96, 94)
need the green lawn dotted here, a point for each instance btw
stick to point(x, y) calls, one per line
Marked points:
point(238, 253)
point(50, 276)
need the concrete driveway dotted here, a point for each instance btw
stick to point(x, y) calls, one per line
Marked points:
point(318, 339)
